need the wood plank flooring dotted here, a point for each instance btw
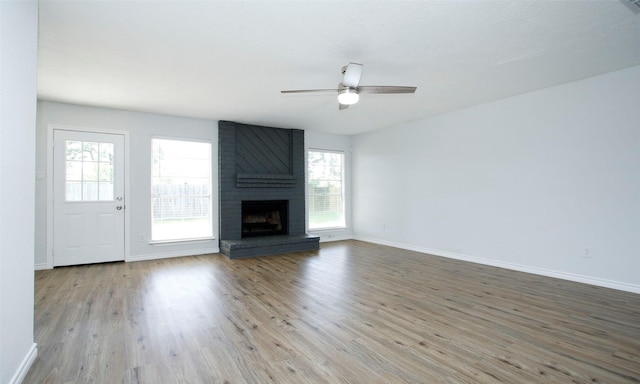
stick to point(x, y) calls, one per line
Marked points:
point(352, 312)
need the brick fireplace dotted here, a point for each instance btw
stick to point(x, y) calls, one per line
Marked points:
point(262, 191)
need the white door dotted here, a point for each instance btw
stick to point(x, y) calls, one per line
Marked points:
point(89, 201)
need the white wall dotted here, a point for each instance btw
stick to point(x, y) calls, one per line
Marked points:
point(141, 127)
point(18, 47)
point(313, 140)
point(526, 182)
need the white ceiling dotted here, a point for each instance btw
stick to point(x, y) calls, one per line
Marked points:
point(228, 60)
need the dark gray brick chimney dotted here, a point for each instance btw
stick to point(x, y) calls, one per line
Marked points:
point(255, 164)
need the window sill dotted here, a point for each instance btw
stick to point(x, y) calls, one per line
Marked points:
point(326, 229)
point(182, 241)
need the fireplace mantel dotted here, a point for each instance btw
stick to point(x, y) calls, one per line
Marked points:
point(259, 180)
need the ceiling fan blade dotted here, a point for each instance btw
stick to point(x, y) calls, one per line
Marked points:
point(342, 106)
point(385, 89)
point(352, 74)
point(309, 90)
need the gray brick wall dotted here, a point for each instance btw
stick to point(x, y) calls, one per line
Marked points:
point(289, 150)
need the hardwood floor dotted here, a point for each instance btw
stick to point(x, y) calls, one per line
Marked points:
point(351, 313)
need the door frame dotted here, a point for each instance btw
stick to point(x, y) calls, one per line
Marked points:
point(50, 187)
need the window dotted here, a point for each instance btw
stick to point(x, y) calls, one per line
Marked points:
point(89, 171)
point(180, 190)
point(325, 189)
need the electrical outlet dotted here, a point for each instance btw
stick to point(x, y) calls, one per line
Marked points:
point(141, 237)
point(587, 254)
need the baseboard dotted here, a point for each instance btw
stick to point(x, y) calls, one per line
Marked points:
point(41, 266)
point(633, 288)
point(151, 256)
point(23, 369)
point(168, 255)
point(330, 238)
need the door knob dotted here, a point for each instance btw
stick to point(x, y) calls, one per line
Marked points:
point(119, 207)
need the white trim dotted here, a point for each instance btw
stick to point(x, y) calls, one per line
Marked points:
point(127, 172)
point(26, 363)
point(49, 197)
point(212, 197)
point(42, 266)
point(168, 255)
point(182, 138)
point(325, 150)
point(633, 288)
point(162, 243)
point(342, 182)
point(328, 229)
point(330, 237)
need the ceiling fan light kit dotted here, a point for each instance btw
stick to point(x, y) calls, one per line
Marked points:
point(348, 96)
point(349, 89)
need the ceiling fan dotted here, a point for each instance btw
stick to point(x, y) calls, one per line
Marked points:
point(349, 89)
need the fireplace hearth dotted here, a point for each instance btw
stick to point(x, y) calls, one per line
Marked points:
point(262, 191)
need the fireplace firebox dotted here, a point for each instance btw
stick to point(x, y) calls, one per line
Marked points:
point(265, 218)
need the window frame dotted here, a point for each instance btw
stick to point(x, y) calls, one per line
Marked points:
point(211, 195)
point(343, 190)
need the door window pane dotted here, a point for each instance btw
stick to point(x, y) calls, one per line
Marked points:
point(89, 171)
point(105, 191)
point(89, 151)
point(106, 172)
point(74, 170)
point(106, 152)
point(89, 191)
